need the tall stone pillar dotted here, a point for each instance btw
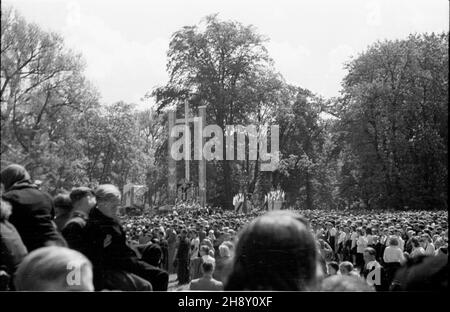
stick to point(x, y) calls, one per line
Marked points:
point(171, 163)
point(202, 161)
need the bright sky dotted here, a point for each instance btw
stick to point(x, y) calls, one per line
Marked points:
point(124, 43)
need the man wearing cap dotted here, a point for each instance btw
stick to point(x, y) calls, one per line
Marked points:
point(83, 200)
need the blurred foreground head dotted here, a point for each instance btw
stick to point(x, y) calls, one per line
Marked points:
point(275, 252)
point(54, 268)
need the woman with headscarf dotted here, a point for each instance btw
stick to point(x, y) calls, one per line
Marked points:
point(33, 211)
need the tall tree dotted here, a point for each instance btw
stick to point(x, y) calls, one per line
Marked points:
point(394, 110)
point(215, 62)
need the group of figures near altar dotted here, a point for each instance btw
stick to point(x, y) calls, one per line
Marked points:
point(273, 200)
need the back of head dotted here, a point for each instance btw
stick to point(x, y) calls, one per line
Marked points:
point(14, 174)
point(80, 192)
point(346, 267)
point(152, 254)
point(63, 202)
point(224, 251)
point(54, 268)
point(344, 283)
point(275, 252)
point(208, 266)
point(393, 241)
point(425, 273)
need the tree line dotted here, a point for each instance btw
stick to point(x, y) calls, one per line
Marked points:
point(385, 147)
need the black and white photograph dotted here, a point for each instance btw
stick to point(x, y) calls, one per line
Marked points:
point(209, 148)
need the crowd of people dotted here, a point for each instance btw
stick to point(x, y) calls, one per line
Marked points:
point(80, 241)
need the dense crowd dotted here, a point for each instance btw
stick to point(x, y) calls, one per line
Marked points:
point(79, 241)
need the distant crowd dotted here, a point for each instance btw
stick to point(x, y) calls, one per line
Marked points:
point(79, 241)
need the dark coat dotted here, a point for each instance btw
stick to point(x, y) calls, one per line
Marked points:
point(107, 249)
point(74, 232)
point(32, 215)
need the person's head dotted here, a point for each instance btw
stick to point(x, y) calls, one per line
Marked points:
point(230, 245)
point(369, 254)
point(393, 241)
point(346, 267)
point(152, 254)
point(344, 283)
point(83, 199)
point(332, 268)
point(63, 204)
point(108, 199)
point(208, 267)
point(224, 251)
point(14, 174)
point(276, 251)
point(204, 250)
point(415, 242)
point(54, 268)
point(439, 243)
point(426, 237)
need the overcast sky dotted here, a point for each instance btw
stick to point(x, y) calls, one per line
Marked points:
point(124, 43)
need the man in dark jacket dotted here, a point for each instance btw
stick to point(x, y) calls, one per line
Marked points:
point(182, 258)
point(83, 200)
point(32, 210)
point(107, 248)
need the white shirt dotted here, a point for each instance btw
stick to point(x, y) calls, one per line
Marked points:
point(196, 243)
point(333, 232)
point(430, 251)
point(353, 238)
point(361, 244)
point(341, 238)
point(416, 252)
point(393, 254)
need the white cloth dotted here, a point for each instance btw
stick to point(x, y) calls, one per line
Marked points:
point(417, 252)
point(430, 250)
point(195, 247)
point(393, 254)
point(361, 244)
point(342, 237)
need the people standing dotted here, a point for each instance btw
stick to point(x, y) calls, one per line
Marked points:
point(181, 261)
point(33, 211)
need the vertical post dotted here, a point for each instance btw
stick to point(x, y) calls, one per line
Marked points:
point(202, 161)
point(187, 151)
point(171, 163)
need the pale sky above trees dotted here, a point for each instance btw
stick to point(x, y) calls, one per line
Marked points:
point(124, 43)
